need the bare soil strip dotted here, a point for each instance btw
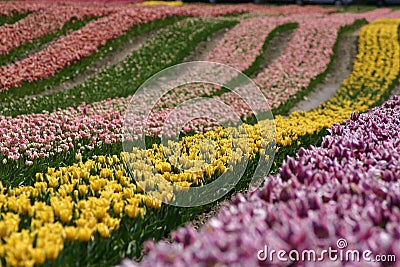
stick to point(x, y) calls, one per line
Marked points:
point(203, 48)
point(109, 60)
point(342, 66)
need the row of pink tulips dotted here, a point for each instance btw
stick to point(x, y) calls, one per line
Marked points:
point(240, 46)
point(41, 23)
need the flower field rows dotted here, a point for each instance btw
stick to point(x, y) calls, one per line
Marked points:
point(75, 45)
point(83, 123)
point(347, 188)
point(78, 123)
point(41, 23)
point(70, 195)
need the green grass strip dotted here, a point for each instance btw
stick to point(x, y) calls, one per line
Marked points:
point(12, 19)
point(26, 48)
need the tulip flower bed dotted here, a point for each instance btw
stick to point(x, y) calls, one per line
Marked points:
point(41, 23)
point(347, 188)
point(61, 129)
point(66, 205)
point(23, 50)
point(67, 199)
point(111, 194)
point(8, 8)
point(31, 146)
point(70, 184)
point(73, 46)
point(10, 19)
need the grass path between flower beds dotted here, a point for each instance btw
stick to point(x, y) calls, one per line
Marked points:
point(98, 66)
point(342, 64)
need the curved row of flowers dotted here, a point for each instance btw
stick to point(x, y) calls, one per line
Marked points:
point(85, 41)
point(21, 105)
point(307, 56)
point(42, 23)
point(51, 133)
point(346, 189)
point(41, 135)
point(71, 203)
point(75, 45)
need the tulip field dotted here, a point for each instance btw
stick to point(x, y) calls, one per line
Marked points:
point(71, 195)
